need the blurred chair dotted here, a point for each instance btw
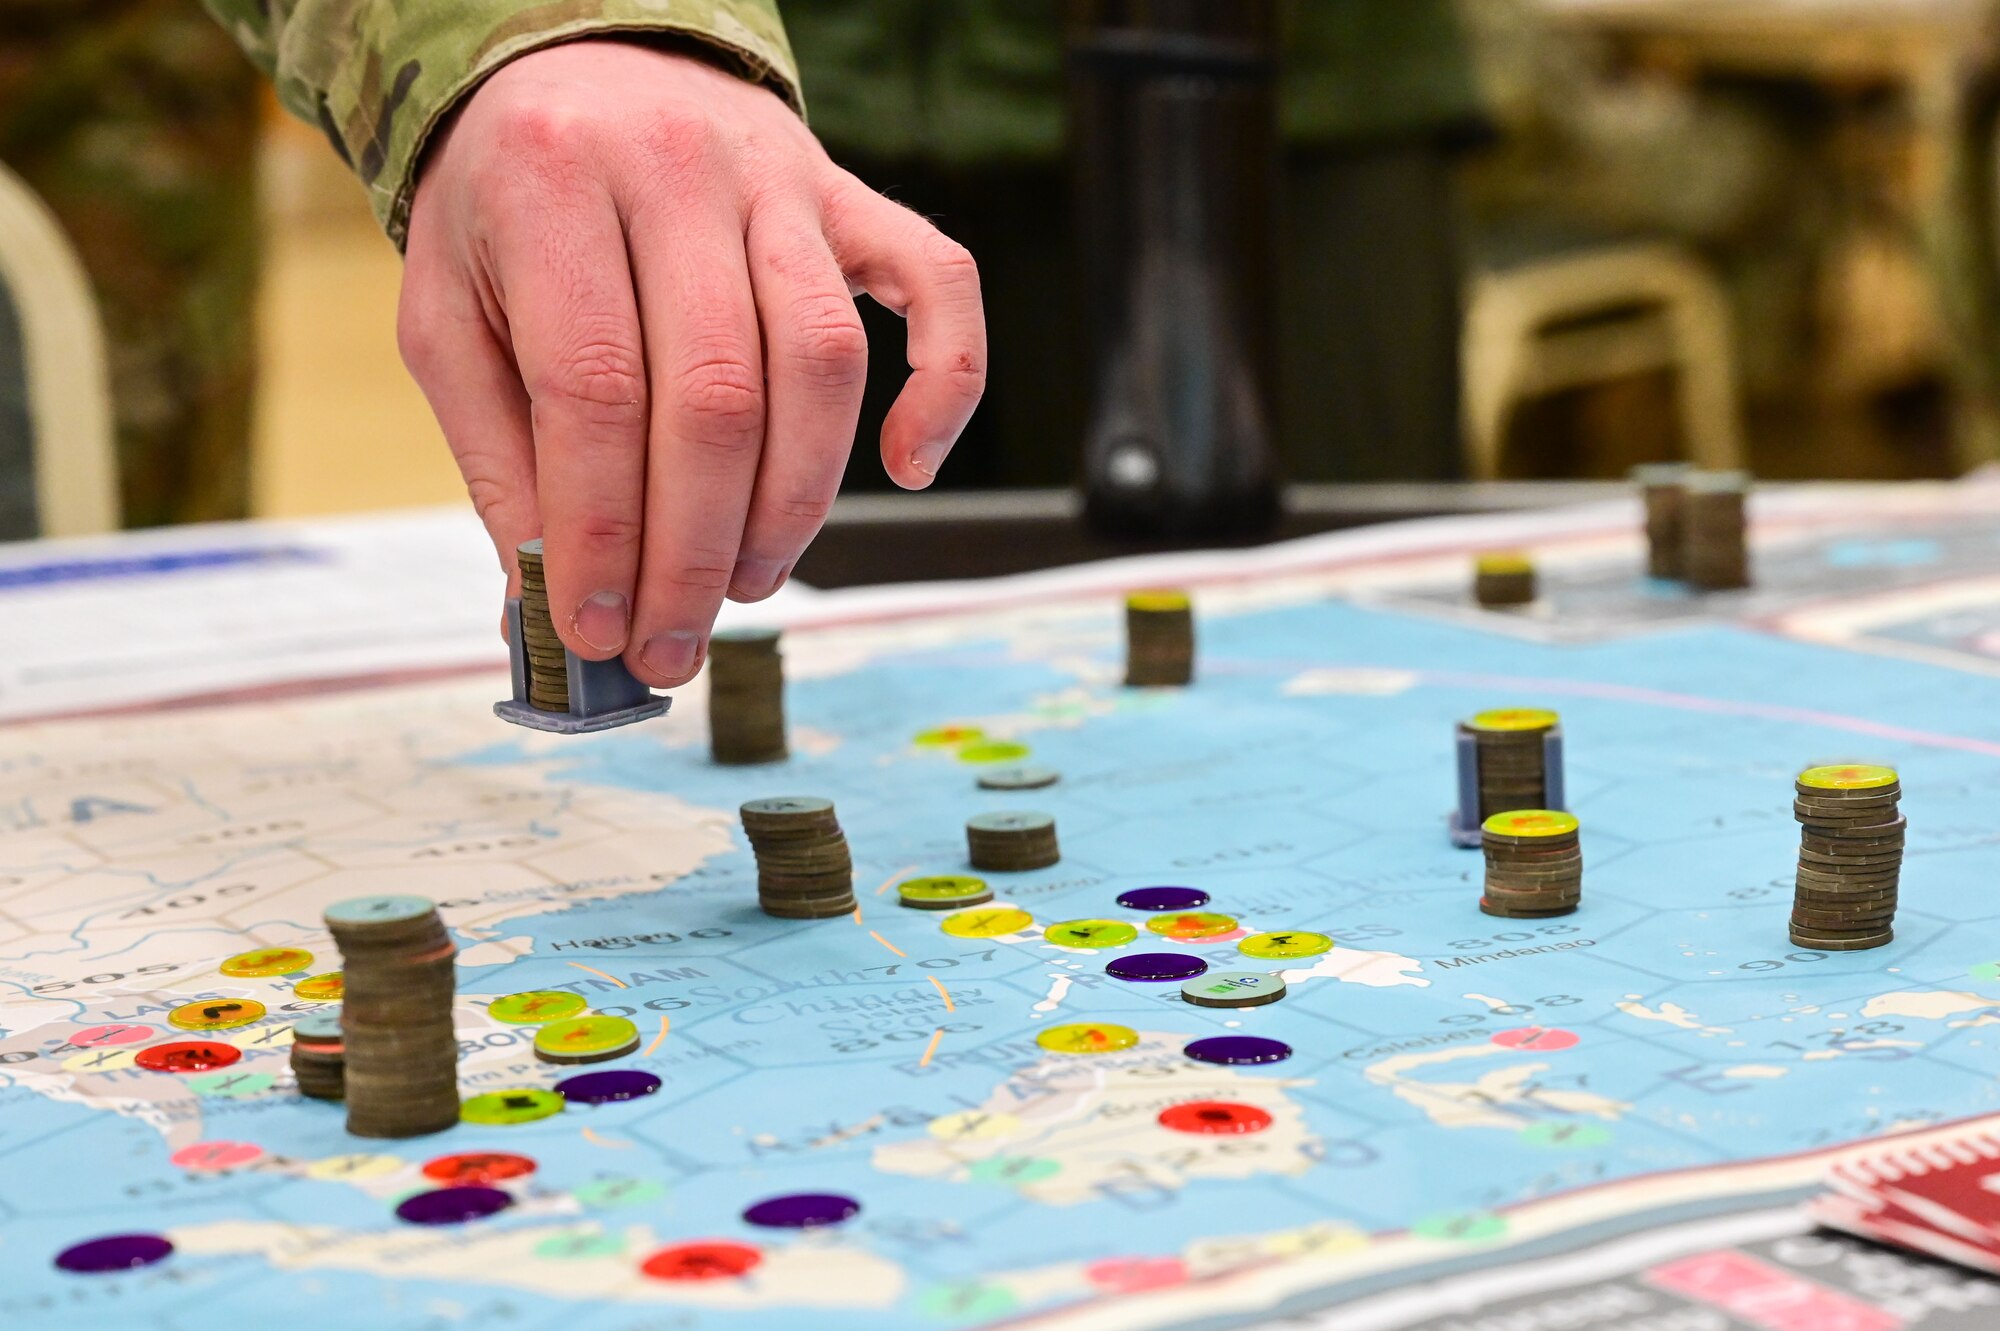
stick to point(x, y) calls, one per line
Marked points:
point(1591, 316)
point(58, 459)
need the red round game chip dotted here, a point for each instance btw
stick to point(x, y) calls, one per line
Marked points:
point(1538, 1039)
point(1214, 1116)
point(188, 1056)
point(702, 1261)
point(477, 1168)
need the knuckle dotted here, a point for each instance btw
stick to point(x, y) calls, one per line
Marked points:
point(680, 139)
point(705, 575)
point(601, 528)
point(950, 259)
point(832, 346)
point(723, 397)
point(538, 134)
point(813, 508)
point(604, 379)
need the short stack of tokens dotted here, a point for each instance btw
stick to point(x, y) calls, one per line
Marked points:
point(1850, 857)
point(1715, 553)
point(1159, 639)
point(399, 1052)
point(1534, 864)
point(804, 869)
point(1663, 486)
point(1503, 578)
point(1510, 743)
point(548, 666)
point(318, 1058)
point(746, 698)
point(1012, 842)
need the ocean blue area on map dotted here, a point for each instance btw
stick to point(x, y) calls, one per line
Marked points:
point(794, 1051)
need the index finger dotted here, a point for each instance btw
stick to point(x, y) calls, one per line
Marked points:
point(919, 272)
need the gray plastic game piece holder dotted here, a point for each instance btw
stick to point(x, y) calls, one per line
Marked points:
point(1465, 819)
point(602, 694)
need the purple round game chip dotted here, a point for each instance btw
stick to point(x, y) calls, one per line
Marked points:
point(1163, 898)
point(1238, 1049)
point(453, 1206)
point(1156, 967)
point(601, 1088)
point(802, 1210)
point(114, 1252)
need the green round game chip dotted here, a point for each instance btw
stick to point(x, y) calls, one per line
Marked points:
point(618, 1190)
point(1277, 946)
point(1095, 934)
point(1566, 1136)
point(1461, 1226)
point(993, 751)
point(967, 1303)
point(1010, 1171)
point(503, 1109)
point(579, 1247)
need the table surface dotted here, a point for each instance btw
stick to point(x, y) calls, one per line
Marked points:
point(1475, 1112)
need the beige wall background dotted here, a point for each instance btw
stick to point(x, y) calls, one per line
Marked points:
point(340, 427)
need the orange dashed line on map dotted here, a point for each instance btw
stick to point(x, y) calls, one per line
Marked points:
point(590, 1135)
point(857, 912)
point(931, 1048)
point(943, 993)
point(664, 1023)
point(886, 943)
point(594, 971)
point(895, 878)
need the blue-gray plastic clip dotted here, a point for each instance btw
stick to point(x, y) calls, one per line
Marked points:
point(602, 694)
point(1465, 819)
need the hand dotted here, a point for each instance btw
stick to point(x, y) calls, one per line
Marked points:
point(629, 297)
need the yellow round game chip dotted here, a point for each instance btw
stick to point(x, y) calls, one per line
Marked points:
point(1515, 719)
point(1192, 925)
point(535, 1007)
point(987, 922)
point(1158, 599)
point(1090, 933)
point(1848, 776)
point(1531, 823)
point(1504, 561)
point(1276, 946)
point(1087, 1038)
point(586, 1037)
point(326, 988)
point(949, 737)
point(267, 961)
point(216, 1014)
point(992, 751)
point(500, 1109)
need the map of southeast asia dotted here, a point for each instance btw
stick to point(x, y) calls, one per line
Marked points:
point(1458, 1084)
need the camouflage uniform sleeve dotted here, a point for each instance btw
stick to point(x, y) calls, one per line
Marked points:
point(377, 75)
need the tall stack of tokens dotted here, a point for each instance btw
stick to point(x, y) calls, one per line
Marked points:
point(746, 697)
point(1012, 842)
point(1534, 864)
point(318, 1059)
point(1503, 578)
point(804, 869)
point(399, 1052)
point(1662, 485)
point(1512, 768)
point(548, 667)
point(1159, 639)
point(1850, 857)
point(1715, 552)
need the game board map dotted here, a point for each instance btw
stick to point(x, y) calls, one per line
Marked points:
point(1462, 1098)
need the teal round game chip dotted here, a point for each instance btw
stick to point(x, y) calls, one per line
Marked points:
point(1018, 778)
point(318, 1027)
point(379, 910)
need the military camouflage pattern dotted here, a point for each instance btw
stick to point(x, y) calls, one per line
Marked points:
point(377, 75)
point(137, 121)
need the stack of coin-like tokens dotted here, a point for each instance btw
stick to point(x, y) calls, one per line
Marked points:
point(318, 1059)
point(1503, 578)
point(1715, 553)
point(399, 1052)
point(548, 667)
point(804, 870)
point(746, 697)
point(1159, 639)
point(1512, 762)
point(1012, 842)
point(1534, 864)
point(1850, 857)
point(1663, 486)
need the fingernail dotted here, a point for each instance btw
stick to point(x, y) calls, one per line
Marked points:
point(672, 654)
point(755, 579)
point(927, 458)
point(603, 620)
